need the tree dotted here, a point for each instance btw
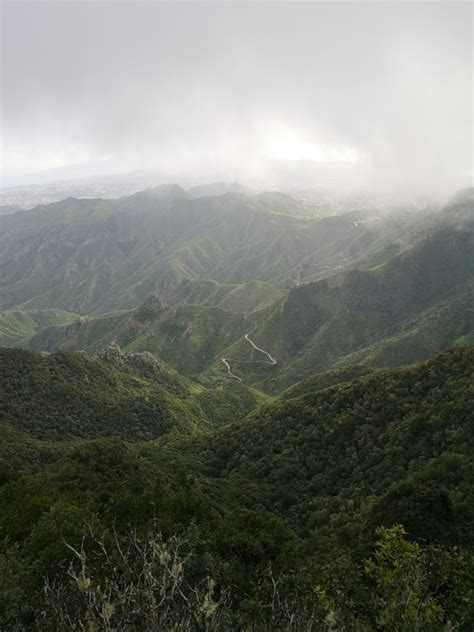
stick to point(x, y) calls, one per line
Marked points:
point(401, 572)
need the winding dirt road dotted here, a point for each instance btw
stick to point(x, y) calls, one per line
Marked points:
point(229, 370)
point(271, 359)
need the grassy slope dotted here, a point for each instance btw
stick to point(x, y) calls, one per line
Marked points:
point(17, 327)
point(317, 327)
point(239, 298)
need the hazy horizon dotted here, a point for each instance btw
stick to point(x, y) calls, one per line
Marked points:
point(347, 96)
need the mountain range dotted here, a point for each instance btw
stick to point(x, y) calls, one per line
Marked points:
point(219, 401)
point(186, 278)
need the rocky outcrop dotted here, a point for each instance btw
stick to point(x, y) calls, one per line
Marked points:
point(152, 306)
point(112, 353)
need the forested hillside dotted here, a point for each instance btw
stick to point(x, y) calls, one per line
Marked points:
point(340, 447)
point(191, 338)
point(63, 396)
point(290, 515)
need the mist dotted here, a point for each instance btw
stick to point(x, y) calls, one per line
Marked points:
point(348, 96)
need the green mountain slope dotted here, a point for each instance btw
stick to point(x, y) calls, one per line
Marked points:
point(405, 310)
point(16, 327)
point(154, 473)
point(323, 380)
point(96, 256)
point(239, 298)
point(190, 338)
point(63, 395)
point(285, 502)
point(324, 458)
point(389, 289)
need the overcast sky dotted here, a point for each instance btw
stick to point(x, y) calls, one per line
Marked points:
point(378, 94)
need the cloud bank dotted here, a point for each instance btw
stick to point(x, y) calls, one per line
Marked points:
point(357, 94)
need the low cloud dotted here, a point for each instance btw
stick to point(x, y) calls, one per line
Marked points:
point(358, 94)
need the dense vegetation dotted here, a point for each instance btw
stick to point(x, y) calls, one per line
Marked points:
point(270, 522)
point(190, 337)
point(337, 447)
point(62, 396)
point(146, 480)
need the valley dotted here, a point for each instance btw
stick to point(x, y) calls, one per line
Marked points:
point(395, 300)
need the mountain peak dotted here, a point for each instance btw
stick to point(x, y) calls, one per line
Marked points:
point(152, 306)
point(168, 190)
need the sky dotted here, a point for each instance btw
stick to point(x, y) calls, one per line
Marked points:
point(358, 94)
